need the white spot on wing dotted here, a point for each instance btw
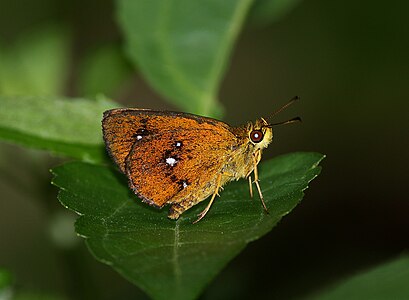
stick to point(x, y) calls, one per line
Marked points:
point(184, 184)
point(138, 137)
point(171, 161)
point(178, 144)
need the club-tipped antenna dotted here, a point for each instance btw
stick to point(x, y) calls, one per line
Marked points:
point(294, 99)
point(291, 121)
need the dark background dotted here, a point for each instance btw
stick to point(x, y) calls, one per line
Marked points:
point(349, 63)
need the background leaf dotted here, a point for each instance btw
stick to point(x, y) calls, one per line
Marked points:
point(5, 279)
point(388, 281)
point(70, 127)
point(103, 71)
point(264, 12)
point(5, 284)
point(36, 63)
point(176, 259)
point(182, 47)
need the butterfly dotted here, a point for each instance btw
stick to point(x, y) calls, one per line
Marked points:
point(181, 159)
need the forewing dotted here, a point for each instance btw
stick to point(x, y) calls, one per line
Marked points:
point(177, 162)
point(125, 126)
point(120, 131)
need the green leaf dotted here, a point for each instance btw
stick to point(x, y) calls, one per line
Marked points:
point(267, 11)
point(6, 281)
point(388, 281)
point(37, 64)
point(69, 127)
point(8, 292)
point(182, 47)
point(176, 259)
point(29, 295)
point(104, 71)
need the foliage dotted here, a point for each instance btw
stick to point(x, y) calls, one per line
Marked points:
point(27, 68)
point(386, 281)
point(176, 259)
point(183, 50)
point(69, 127)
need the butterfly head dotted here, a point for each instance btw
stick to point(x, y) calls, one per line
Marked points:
point(260, 134)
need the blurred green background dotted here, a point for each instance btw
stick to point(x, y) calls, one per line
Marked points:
point(349, 63)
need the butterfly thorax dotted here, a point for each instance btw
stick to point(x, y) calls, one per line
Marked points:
point(246, 153)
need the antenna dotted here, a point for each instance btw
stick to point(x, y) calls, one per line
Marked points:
point(293, 120)
point(294, 99)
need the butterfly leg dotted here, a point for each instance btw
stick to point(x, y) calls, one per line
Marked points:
point(256, 180)
point(204, 212)
point(176, 210)
point(250, 186)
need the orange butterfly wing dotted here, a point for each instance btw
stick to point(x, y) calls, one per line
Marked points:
point(166, 156)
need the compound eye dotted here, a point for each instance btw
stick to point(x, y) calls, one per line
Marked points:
point(256, 136)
